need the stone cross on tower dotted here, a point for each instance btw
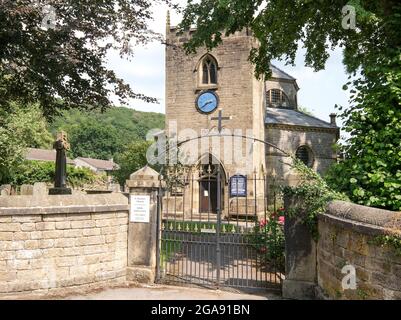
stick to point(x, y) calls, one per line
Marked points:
point(220, 119)
point(60, 182)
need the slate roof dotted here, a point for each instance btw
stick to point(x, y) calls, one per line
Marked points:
point(294, 118)
point(100, 164)
point(278, 73)
point(43, 155)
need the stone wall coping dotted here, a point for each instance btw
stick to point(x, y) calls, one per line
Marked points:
point(61, 204)
point(368, 215)
point(355, 226)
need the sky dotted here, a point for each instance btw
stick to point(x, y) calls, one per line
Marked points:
point(319, 91)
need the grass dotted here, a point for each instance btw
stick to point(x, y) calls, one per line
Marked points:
point(168, 249)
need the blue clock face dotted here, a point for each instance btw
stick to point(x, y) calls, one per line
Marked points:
point(207, 102)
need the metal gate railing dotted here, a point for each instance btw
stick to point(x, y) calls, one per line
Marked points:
point(212, 238)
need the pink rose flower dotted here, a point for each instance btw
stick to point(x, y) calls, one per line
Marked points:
point(281, 220)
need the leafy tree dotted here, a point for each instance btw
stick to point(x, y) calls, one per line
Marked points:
point(371, 171)
point(11, 152)
point(282, 25)
point(94, 140)
point(131, 160)
point(30, 126)
point(29, 172)
point(59, 50)
point(20, 127)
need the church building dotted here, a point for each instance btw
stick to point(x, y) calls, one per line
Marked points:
point(263, 117)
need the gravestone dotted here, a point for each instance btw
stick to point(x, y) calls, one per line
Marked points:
point(40, 189)
point(115, 187)
point(60, 182)
point(26, 190)
point(5, 190)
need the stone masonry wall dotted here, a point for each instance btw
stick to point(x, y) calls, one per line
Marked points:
point(57, 243)
point(321, 143)
point(346, 233)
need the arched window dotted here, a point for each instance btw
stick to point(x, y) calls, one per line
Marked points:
point(304, 153)
point(208, 70)
point(276, 98)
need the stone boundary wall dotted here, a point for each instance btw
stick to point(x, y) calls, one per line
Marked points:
point(346, 232)
point(56, 245)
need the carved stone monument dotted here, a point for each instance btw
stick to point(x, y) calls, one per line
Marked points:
point(60, 182)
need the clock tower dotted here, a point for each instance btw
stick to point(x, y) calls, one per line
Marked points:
point(201, 84)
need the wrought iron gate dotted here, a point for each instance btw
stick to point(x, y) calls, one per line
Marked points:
point(216, 231)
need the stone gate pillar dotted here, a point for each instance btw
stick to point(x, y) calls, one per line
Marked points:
point(142, 231)
point(300, 256)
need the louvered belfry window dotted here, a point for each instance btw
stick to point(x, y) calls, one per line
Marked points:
point(304, 154)
point(276, 98)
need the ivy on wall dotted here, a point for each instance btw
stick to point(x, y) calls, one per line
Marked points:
point(314, 194)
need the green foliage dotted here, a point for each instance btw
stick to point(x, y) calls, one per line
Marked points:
point(312, 195)
point(103, 135)
point(30, 126)
point(268, 239)
point(68, 61)
point(78, 177)
point(20, 127)
point(94, 140)
point(131, 160)
point(371, 172)
point(117, 133)
point(388, 240)
point(30, 172)
point(282, 25)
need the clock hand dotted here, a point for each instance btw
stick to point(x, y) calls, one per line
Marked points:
point(208, 102)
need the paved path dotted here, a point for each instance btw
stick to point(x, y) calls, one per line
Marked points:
point(163, 292)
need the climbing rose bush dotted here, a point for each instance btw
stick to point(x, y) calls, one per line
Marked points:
point(268, 239)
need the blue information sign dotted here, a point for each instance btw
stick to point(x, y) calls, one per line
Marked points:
point(238, 186)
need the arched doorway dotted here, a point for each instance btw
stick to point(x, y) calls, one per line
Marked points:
point(209, 169)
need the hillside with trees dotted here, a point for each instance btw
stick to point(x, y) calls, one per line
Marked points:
point(117, 133)
point(103, 135)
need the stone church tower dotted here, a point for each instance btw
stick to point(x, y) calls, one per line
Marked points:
point(227, 73)
point(200, 85)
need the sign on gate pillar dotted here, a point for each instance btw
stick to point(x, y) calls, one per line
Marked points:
point(300, 256)
point(142, 231)
point(139, 208)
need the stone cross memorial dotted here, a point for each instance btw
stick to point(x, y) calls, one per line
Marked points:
point(60, 182)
